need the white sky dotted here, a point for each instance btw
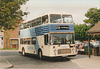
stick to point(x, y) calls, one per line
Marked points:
point(77, 8)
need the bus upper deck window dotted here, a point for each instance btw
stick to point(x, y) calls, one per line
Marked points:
point(45, 19)
point(55, 18)
point(67, 18)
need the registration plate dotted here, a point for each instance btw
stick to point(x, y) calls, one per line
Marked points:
point(64, 47)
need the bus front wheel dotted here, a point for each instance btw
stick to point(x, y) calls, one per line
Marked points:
point(23, 52)
point(40, 54)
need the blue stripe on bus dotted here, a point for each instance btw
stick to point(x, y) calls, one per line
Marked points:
point(36, 46)
point(27, 33)
point(38, 31)
point(52, 28)
point(42, 30)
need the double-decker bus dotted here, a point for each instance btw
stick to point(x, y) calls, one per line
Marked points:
point(51, 35)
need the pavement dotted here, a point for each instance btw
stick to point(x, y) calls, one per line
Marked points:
point(4, 63)
point(87, 63)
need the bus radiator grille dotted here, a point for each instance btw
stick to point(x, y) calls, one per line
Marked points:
point(64, 51)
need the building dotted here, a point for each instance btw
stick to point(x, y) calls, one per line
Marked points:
point(11, 38)
point(95, 30)
point(1, 39)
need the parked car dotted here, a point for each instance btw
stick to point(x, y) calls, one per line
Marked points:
point(85, 47)
point(85, 44)
point(78, 42)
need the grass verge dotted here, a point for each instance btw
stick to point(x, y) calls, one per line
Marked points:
point(9, 49)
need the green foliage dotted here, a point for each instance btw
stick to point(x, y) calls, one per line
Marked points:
point(97, 37)
point(10, 13)
point(93, 15)
point(81, 32)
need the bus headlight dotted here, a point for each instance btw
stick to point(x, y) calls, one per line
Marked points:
point(73, 50)
point(55, 52)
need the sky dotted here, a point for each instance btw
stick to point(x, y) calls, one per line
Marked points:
point(77, 8)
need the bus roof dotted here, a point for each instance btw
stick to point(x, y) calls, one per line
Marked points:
point(48, 13)
point(57, 13)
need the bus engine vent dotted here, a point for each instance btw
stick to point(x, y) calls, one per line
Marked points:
point(64, 51)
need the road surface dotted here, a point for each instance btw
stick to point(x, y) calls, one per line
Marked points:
point(20, 61)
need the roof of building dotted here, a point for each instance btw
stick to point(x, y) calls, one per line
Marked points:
point(95, 30)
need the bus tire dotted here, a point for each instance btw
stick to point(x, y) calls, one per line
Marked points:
point(40, 54)
point(23, 52)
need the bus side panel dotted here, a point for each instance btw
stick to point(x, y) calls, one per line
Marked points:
point(23, 46)
point(45, 48)
point(28, 33)
point(36, 47)
point(31, 49)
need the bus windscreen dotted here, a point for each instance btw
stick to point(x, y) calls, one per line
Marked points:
point(61, 38)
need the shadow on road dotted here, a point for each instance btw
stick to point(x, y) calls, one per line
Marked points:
point(49, 59)
point(79, 56)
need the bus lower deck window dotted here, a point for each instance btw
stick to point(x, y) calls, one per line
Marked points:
point(33, 40)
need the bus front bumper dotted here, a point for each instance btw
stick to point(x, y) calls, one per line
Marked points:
point(63, 55)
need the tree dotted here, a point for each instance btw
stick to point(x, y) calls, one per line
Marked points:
point(93, 15)
point(81, 32)
point(10, 13)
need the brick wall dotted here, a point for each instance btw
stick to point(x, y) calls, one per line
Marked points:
point(8, 35)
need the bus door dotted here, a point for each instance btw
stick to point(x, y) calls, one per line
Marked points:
point(46, 44)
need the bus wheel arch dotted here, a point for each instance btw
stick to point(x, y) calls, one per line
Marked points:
point(40, 54)
point(23, 51)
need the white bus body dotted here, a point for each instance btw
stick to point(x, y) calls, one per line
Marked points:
point(50, 35)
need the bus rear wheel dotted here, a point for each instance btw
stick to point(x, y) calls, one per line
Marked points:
point(40, 54)
point(23, 52)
